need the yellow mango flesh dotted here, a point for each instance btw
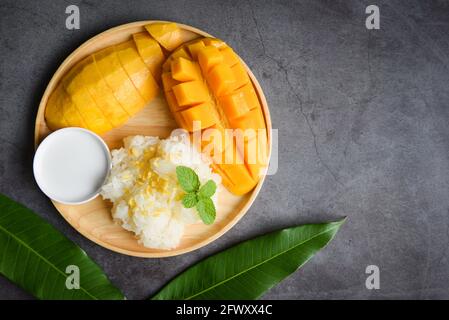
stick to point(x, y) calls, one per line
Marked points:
point(53, 111)
point(69, 111)
point(106, 88)
point(223, 98)
point(151, 53)
point(168, 82)
point(195, 47)
point(115, 76)
point(185, 70)
point(181, 53)
point(169, 35)
point(136, 70)
point(74, 86)
point(191, 93)
point(204, 113)
point(102, 94)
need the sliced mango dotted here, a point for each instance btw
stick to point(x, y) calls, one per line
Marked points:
point(228, 109)
point(169, 35)
point(74, 85)
point(70, 112)
point(185, 70)
point(204, 114)
point(53, 112)
point(151, 53)
point(115, 76)
point(256, 155)
point(240, 75)
point(234, 104)
point(102, 94)
point(181, 53)
point(235, 174)
point(217, 43)
point(136, 70)
point(253, 119)
point(191, 93)
point(175, 108)
point(229, 56)
point(215, 140)
point(168, 82)
point(209, 57)
point(195, 47)
point(221, 79)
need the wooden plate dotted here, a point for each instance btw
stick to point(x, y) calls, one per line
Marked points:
point(93, 219)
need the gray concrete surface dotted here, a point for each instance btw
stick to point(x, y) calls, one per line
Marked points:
point(363, 132)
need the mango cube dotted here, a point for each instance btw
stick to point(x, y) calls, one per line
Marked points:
point(195, 47)
point(180, 53)
point(171, 101)
point(251, 97)
point(204, 114)
point(217, 43)
point(221, 79)
point(229, 56)
point(167, 34)
point(168, 82)
point(191, 93)
point(209, 57)
point(252, 120)
point(256, 155)
point(240, 75)
point(185, 70)
point(150, 51)
point(234, 105)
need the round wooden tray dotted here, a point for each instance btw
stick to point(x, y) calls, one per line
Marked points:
point(93, 219)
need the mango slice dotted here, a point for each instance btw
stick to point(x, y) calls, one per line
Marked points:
point(102, 94)
point(194, 48)
point(107, 87)
point(221, 79)
point(169, 35)
point(168, 82)
point(151, 53)
point(181, 53)
point(190, 93)
point(209, 57)
point(204, 113)
point(73, 84)
point(136, 70)
point(221, 102)
point(185, 70)
point(53, 111)
point(115, 76)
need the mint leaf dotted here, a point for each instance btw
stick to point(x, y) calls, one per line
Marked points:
point(206, 210)
point(207, 190)
point(187, 178)
point(189, 200)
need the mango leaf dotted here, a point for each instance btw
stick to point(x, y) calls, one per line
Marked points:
point(45, 263)
point(249, 269)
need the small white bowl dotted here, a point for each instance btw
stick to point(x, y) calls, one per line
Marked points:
point(71, 165)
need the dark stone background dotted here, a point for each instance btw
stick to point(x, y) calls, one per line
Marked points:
point(363, 132)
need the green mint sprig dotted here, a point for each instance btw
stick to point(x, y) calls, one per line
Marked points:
point(197, 196)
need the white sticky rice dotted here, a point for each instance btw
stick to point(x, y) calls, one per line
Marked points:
point(144, 189)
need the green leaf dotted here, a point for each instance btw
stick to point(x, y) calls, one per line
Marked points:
point(207, 190)
point(189, 200)
point(35, 256)
point(206, 210)
point(249, 269)
point(187, 178)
